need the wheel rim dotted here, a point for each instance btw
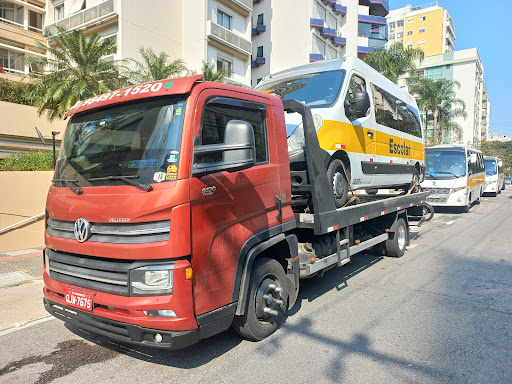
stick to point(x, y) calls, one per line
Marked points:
point(401, 237)
point(268, 298)
point(338, 184)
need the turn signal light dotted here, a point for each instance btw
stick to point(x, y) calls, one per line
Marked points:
point(312, 260)
point(188, 274)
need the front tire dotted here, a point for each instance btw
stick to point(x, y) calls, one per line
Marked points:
point(395, 247)
point(338, 179)
point(266, 302)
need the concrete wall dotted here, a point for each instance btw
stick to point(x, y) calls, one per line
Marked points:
point(22, 195)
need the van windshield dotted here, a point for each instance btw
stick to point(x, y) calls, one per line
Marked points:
point(140, 141)
point(445, 164)
point(490, 167)
point(316, 90)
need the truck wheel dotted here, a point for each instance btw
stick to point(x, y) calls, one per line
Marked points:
point(395, 247)
point(266, 303)
point(338, 180)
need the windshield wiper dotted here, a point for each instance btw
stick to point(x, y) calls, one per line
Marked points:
point(127, 180)
point(447, 173)
point(71, 185)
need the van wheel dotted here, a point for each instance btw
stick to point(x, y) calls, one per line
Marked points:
point(395, 247)
point(338, 180)
point(266, 302)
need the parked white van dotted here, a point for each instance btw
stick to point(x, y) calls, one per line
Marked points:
point(494, 175)
point(368, 126)
point(455, 176)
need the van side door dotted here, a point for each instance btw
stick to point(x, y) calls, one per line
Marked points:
point(228, 207)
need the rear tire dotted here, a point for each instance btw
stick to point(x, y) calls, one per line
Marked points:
point(267, 278)
point(395, 247)
point(338, 180)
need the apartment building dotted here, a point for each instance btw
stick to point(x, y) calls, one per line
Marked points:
point(217, 31)
point(21, 28)
point(486, 114)
point(428, 27)
point(499, 137)
point(318, 30)
point(465, 67)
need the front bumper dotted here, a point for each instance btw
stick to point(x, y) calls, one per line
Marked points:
point(120, 331)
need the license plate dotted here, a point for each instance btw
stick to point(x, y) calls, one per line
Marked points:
point(79, 299)
point(434, 196)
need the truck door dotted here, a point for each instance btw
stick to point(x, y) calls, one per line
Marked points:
point(228, 207)
point(361, 135)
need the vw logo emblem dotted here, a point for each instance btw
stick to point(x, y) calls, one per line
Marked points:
point(82, 229)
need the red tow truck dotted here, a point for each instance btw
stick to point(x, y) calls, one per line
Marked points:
point(173, 215)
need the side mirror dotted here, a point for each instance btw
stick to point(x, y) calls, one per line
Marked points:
point(358, 105)
point(473, 158)
point(237, 152)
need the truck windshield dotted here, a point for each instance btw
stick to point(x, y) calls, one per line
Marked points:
point(445, 164)
point(490, 167)
point(316, 90)
point(140, 141)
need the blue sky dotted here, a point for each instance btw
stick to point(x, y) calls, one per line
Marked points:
point(485, 25)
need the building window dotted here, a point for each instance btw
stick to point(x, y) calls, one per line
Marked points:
point(260, 52)
point(399, 35)
point(392, 37)
point(422, 41)
point(224, 19)
point(409, 44)
point(400, 23)
point(226, 65)
point(391, 25)
point(59, 12)
point(410, 21)
point(260, 19)
point(422, 30)
point(423, 18)
point(35, 21)
point(409, 33)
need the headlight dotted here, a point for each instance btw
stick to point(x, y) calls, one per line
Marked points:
point(457, 189)
point(296, 139)
point(151, 280)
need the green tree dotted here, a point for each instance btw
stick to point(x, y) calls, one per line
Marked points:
point(437, 100)
point(212, 73)
point(395, 61)
point(74, 70)
point(155, 67)
point(501, 149)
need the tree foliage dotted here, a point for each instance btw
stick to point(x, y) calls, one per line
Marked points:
point(437, 100)
point(501, 149)
point(75, 70)
point(32, 161)
point(212, 73)
point(16, 92)
point(155, 67)
point(395, 61)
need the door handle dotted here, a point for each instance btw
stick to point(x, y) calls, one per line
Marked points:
point(370, 134)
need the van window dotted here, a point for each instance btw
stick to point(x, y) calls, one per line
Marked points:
point(213, 126)
point(357, 84)
point(393, 112)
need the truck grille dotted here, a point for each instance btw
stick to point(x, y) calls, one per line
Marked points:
point(127, 233)
point(99, 274)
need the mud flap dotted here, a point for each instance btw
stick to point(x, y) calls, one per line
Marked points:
point(292, 278)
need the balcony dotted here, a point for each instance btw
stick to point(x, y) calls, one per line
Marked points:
point(88, 17)
point(259, 61)
point(341, 41)
point(332, 2)
point(372, 20)
point(338, 8)
point(316, 23)
point(260, 28)
point(313, 57)
point(227, 40)
point(377, 7)
point(244, 7)
point(365, 50)
point(328, 32)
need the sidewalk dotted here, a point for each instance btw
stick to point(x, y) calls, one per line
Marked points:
point(21, 288)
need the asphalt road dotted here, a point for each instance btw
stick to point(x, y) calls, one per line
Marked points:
point(442, 313)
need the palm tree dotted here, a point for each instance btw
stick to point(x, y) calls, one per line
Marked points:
point(438, 97)
point(211, 73)
point(155, 67)
point(395, 61)
point(75, 70)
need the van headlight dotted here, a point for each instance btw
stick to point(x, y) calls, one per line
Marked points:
point(296, 139)
point(151, 280)
point(457, 189)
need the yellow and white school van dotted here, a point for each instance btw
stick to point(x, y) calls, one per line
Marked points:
point(454, 176)
point(368, 126)
point(494, 175)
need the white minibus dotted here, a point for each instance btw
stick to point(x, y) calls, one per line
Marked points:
point(368, 126)
point(455, 176)
point(494, 175)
